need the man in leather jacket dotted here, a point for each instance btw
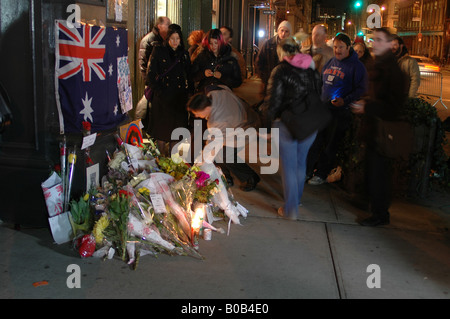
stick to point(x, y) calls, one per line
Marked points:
point(268, 57)
point(154, 37)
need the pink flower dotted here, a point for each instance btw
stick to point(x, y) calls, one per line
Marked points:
point(201, 179)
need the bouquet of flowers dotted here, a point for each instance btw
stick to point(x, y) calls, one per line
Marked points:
point(148, 209)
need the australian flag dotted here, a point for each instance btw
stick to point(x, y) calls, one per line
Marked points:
point(86, 76)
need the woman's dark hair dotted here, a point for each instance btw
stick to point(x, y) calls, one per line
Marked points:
point(214, 34)
point(198, 102)
point(175, 28)
point(344, 38)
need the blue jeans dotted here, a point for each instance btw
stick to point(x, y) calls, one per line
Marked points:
point(293, 156)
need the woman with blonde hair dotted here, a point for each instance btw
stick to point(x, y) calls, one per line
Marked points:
point(290, 83)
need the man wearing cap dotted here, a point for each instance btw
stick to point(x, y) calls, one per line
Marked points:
point(268, 57)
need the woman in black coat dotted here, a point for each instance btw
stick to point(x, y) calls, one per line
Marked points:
point(168, 78)
point(215, 65)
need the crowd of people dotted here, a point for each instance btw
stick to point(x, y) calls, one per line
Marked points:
point(310, 93)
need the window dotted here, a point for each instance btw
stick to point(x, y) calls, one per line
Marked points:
point(161, 9)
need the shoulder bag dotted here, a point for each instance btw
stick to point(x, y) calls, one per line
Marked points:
point(394, 139)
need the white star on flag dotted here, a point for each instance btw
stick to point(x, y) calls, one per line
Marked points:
point(116, 110)
point(87, 111)
point(110, 70)
point(118, 41)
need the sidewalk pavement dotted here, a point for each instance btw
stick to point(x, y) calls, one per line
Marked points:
point(325, 254)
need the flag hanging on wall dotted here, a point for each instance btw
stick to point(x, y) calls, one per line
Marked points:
point(86, 76)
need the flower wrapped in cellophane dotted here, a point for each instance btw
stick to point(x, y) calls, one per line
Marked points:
point(232, 209)
point(149, 204)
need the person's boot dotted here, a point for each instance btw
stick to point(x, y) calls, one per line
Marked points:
point(250, 184)
point(376, 220)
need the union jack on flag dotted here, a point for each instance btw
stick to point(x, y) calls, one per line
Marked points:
point(86, 76)
point(83, 51)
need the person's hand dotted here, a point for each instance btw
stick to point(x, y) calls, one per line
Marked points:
point(338, 102)
point(217, 75)
point(209, 73)
point(358, 107)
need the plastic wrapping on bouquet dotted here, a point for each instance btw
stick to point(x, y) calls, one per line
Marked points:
point(207, 234)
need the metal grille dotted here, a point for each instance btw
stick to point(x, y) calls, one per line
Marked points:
point(431, 85)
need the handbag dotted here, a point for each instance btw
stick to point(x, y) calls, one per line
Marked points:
point(148, 92)
point(394, 139)
point(314, 117)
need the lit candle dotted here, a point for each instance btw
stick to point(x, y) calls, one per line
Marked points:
point(197, 220)
point(196, 224)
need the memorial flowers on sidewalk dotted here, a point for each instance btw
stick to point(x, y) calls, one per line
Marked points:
point(146, 204)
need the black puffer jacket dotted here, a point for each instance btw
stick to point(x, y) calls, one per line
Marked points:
point(288, 98)
point(225, 63)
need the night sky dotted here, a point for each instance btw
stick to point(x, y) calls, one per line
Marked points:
point(336, 3)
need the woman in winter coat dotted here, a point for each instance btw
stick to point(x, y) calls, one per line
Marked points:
point(215, 65)
point(289, 84)
point(168, 78)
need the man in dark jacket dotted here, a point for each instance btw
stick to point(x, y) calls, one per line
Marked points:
point(154, 38)
point(386, 99)
point(268, 57)
point(408, 65)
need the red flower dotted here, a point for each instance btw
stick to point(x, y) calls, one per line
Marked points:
point(125, 193)
point(86, 126)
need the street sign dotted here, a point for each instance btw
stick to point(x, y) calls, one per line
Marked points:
point(272, 12)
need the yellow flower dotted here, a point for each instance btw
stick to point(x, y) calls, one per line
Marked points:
point(86, 197)
point(144, 191)
point(99, 227)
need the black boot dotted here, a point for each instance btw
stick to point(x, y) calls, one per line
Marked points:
point(376, 220)
point(250, 184)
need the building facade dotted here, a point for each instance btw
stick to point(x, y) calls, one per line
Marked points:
point(423, 24)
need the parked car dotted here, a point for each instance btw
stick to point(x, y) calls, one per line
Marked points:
point(426, 64)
